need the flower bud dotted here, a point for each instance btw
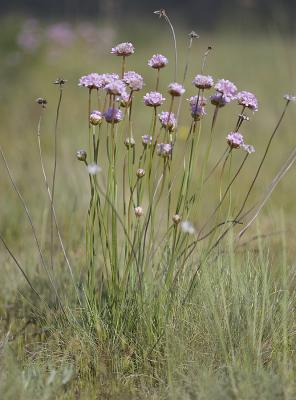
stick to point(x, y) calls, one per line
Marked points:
point(140, 173)
point(138, 212)
point(95, 118)
point(176, 219)
point(129, 142)
point(81, 155)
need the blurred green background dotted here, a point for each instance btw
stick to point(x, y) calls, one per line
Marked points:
point(253, 45)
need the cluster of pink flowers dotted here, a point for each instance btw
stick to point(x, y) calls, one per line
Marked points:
point(247, 99)
point(157, 61)
point(176, 89)
point(203, 81)
point(164, 149)
point(97, 81)
point(153, 99)
point(116, 88)
point(225, 92)
point(168, 120)
point(235, 140)
point(197, 106)
point(134, 80)
point(123, 49)
point(113, 115)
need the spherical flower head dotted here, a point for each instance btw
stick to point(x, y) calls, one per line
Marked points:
point(93, 169)
point(124, 99)
point(248, 148)
point(176, 219)
point(139, 212)
point(164, 150)
point(187, 227)
point(168, 120)
point(235, 140)
point(219, 100)
point(227, 88)
point(176, 89)
point(123, 49)
point(113, 115)
point(157, 61)
point(153, 99)
point(129, 143)
point(116, 87)
point(203, 81)
point(95, 117)
point(134, 80)
point(146, 140)
point(201, 100)
point(197, 112)
point(90, 81)
point(140, 173)
point(105, 79)
point(247, 99)
point(81, 155)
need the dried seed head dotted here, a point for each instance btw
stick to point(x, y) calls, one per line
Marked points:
point(41, 101)
point(81, 155)
point(160, 12)
point(59, 81)
point(176, 219)
point(139, 212)
point(290, 97)
point(140, 173)
point(193, 35)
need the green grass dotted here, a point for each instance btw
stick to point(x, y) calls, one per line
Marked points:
point(234, 337)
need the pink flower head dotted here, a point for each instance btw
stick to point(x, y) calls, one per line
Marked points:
point(123, 49)
point(146, 140)
point(235, 140)
point(153, 99)
point(202, 101)
point(248, 148)
point(158, 61)
point(176, 89)
point(164, 149)
point(90, 81)
point(113, 115)
point(134, 80)
point(168, 120)
point(197, 112)
point(247, 99)
point(227, 88)
point(108, 78)
point(220, 100)
point(203, 81)
point(124, 99)
point(116, 87)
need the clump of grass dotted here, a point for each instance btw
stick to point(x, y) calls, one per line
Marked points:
point(161, 299)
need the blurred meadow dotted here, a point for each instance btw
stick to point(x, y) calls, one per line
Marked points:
point(34, 52)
